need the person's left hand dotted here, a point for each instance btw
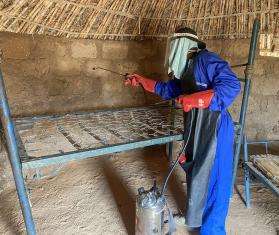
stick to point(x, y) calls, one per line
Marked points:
point(199, 100)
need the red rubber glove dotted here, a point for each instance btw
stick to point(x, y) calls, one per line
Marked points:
point(137, 80)
point(182, 159)
point(199, 100)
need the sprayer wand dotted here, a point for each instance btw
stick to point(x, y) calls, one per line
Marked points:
point(126, 77)
point(120, 74)
point(111, 71)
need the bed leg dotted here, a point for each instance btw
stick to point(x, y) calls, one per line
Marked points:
point(14, 157)
point(246, 174)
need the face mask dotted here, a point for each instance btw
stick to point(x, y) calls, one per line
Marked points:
point(177, 56)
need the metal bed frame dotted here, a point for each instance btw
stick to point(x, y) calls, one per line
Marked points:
point(166, 131)
point(249, 169)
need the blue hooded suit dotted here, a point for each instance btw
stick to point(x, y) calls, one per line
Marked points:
point(208, 208)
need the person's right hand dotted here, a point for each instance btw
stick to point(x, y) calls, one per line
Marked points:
point(136, 80)
point(133, 80)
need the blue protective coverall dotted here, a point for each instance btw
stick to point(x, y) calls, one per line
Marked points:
point(212, 72)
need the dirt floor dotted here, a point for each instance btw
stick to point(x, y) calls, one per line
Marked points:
point(97, 196)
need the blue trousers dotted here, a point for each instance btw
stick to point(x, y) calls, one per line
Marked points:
point(219, 189)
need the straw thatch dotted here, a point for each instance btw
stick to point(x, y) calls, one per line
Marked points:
point(118, 19)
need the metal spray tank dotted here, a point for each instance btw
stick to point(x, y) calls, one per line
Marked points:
point(150, 209)
point(151, 205)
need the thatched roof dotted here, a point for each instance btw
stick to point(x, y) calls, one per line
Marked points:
point(118, 19)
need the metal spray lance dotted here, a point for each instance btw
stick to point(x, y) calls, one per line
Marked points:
point(111, 71)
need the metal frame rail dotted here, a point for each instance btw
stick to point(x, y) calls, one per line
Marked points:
point(17, 164)
point(13, 152)
point(246, 93)
point(92, 153)
point(249, 168)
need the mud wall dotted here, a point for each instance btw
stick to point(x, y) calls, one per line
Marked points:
point(54, 75)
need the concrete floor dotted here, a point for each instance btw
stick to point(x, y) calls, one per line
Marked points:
point(97, 196)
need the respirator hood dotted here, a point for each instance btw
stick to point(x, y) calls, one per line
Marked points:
point(178, 46)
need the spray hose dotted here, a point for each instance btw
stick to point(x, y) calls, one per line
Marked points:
point(177, 159)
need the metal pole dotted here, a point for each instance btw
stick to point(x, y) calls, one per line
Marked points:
point(246, 93)
point(246, 174)
point(13, 153)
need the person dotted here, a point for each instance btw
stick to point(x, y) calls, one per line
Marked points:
point(205, 86)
